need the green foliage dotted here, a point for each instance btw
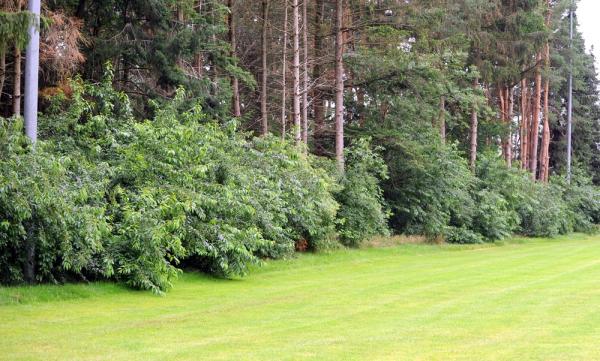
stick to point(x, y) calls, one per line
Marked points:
point(104, 195)
point(493, 218)
point(462, 235)
point(545, 214)
point(582, 199)
point(13, 29)
point(362, 213)
point(46, 221)
point(499, 195)
point(429, 186)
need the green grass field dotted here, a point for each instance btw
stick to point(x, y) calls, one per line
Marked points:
point(524, 300)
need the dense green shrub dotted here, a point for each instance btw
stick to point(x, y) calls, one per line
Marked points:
point(106, 195)
point(429, 186)
point(493, 219)
point(545, 214)
point(583, 200)
point(50, 228)
point(462, 235)
point(500, 193)
point(362, 213)
point(150, 195)
point(237, 199)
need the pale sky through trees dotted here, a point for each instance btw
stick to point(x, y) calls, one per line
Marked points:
point(587, 13)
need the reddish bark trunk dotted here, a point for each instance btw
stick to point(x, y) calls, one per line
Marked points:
point(339, 86)
point(265, 70)
point(473, 132)
point(284, 74)
point(533, 164)
point(296, 72)
point(524, 124)
point(545, 148)
point(235, 85)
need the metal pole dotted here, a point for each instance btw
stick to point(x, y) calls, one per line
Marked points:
point(570, 105)
point(32, 63)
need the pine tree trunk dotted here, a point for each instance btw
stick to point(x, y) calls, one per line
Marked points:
point(284, 73)
point(473, 132)
point(180, 25)
point(442, 119)
point(339, 86)
point(545, 149)
point(360, 91)
point(509, 118)
point(30, 250)
point(17, 83)
point(502, 105)
point(235, 85)
point(360, 99)
point(199, 59)
point(2, 72)
point(524, 124)
point(535, 122)
point(17, 76)
point(296, 72)
point(265, 70)
point(318, 101)
point(305, 80)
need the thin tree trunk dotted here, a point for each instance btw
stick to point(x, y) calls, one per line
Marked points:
point(296, 72)
point(180, 25)
point(29, 265)
point(339, 86)
point(532, 121)
point(360, 99)
point(265, 70)
point(235, 85)
point(17, 76)
point(503, 100)
point(305, 72)
point(318, 101)
point(199, 59)
point(2, 71)
point(509, 118)
point(544, 161)
point(545, 149)
point(284, 72)
point(442, 119)
point(524, 124)
point(17, 83)
point(535, 122)
point(360, 91)
point(473, 131)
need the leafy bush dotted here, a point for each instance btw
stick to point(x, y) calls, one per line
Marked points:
point(462, 235)
point(545, 214)
point(179, 188)
point(237, 199)
point(362, 214)
point(493, 219)
point(49, 227)
point(429, 187)
point(500, 192)
point(583, 200)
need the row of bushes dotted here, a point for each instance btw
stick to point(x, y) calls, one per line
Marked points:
point(432, 191)
point(103, 195)
point(106, 196)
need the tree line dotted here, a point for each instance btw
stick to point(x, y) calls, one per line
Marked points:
point(307, 68)
point(446, 118)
